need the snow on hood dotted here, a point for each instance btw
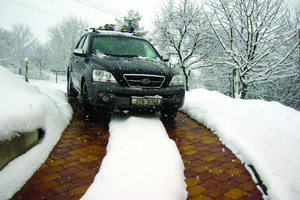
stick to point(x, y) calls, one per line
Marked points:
point(128, 65)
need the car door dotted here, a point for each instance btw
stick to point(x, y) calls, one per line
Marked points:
point(78, 62)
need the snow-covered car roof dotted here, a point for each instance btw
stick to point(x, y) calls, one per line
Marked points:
point(114, 30)
point(116, 33)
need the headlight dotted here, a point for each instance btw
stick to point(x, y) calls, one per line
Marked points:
point(103, 76)
point(177, 80)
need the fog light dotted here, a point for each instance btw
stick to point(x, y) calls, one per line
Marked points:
point(106, 98)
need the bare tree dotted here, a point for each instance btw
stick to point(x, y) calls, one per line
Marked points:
point(63, 37)
point(178, 31)
point(251, 35)
point(16, 44)
point(5, 46)
point(40, 58)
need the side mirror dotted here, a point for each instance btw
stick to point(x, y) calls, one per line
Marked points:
point(165, 58)
point(79, 52)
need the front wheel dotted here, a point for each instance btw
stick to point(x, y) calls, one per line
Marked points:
point(90, 112)
point(70, 88)
point(87, 108)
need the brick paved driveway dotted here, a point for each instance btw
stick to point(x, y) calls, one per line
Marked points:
point(211, 170)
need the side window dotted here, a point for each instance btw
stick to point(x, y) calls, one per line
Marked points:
point(149, 51)
point(85, 44)
point(79, 45)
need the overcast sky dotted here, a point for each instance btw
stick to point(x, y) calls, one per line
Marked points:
point(42, 14)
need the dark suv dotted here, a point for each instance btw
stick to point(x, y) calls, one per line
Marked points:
point(117, 71)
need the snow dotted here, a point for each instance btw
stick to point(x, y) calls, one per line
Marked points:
point(264, 134)
point(142, 162)
point(25, 108)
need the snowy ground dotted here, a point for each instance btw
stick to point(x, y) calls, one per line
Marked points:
point(25, 108)
point(142, 162)
point(264, 134)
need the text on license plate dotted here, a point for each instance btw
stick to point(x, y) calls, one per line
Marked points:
point(146, 101)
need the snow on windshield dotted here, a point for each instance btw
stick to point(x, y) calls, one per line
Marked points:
point(123, 46)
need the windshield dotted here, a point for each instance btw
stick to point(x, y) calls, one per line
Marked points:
point(123, 46)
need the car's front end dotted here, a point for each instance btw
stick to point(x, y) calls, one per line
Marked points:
point(135, 83)
point(113, 96)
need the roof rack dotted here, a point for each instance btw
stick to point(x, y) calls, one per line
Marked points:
point(113, 27)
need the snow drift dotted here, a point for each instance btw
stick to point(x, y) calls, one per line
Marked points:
point(264, 134)
point(25, 108)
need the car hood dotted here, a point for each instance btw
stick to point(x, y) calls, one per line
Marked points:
point(119, 66)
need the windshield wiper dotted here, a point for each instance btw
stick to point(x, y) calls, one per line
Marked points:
point(130, 56)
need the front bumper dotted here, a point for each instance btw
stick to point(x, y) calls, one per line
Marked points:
point(113, 96)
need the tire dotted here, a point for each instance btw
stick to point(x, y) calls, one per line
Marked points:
point(90, 112)
point(71, 91)
point(103, 114)
point(168, 115)
point(87, 108)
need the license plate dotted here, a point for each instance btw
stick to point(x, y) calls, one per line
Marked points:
point(146, 101)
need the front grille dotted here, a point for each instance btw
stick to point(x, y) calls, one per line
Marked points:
point(144, 80)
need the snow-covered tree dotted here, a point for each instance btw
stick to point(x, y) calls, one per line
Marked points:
point(16, 45)
point(133, 19)
point(179, 31)
point(40, 58)
point(284, 82)
point(23, 41)
point(63, 37)
point(5, 47)
point(253, 36)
